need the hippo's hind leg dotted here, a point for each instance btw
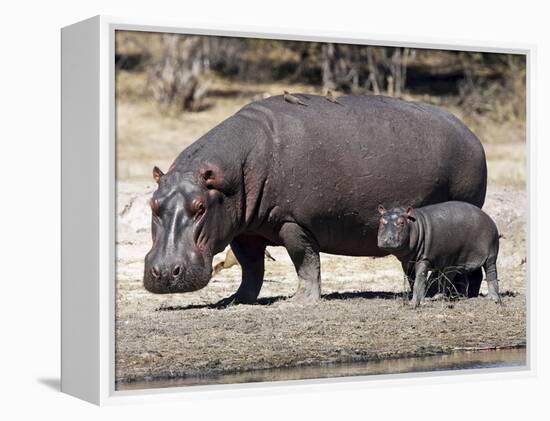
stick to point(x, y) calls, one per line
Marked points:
point(249, 251)
point(492, 281)
point(304, 252)
point(474, 283)
point(459, 285)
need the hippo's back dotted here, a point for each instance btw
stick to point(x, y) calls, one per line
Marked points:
point(368, 140)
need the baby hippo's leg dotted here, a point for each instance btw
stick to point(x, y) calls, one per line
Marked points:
point(408, 270)
point(420, 282)
point(492, 282)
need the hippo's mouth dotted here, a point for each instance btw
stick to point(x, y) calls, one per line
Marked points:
point(181, 285)
point(390, 248)
point(191, 277)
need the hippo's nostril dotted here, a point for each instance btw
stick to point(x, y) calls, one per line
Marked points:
point(155, 271)
point(176, 271)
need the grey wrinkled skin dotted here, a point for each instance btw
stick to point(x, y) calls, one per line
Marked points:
point(306, 178)
point(450, 238)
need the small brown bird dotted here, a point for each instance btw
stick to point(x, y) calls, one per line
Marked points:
point(292, 99)
point(330, 97)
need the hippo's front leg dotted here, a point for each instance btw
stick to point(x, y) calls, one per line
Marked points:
point(419, 290)
point(249, 251)
point(304, 252)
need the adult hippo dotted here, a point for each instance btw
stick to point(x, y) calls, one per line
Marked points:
point(308, 178)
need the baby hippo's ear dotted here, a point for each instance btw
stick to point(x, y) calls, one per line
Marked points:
point(381, 209)
point(409, 212)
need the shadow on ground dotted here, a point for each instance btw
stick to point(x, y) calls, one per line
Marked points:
point(265, 301)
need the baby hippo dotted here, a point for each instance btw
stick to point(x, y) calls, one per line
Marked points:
point(450, 238)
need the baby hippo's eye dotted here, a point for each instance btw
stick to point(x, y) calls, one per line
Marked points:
point(400, 221)
point(383, 221)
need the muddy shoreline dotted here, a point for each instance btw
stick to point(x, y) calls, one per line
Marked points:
point(510, 357)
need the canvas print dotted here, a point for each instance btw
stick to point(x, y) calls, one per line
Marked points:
point(302, 210)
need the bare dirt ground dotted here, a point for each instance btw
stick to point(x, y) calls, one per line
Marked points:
point(362, 315)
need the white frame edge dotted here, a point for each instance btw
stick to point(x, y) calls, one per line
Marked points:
point(80, 243)
point(88, 129)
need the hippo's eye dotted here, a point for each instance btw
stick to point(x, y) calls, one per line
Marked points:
point(383, 221)
point(400, 221)
point(197, 207)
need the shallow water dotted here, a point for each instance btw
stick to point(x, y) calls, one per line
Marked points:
point(460, 360)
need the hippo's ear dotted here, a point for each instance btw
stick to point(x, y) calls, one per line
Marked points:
point(215, 178)
point(381, 209)
point(157, 174)
point(409, 214)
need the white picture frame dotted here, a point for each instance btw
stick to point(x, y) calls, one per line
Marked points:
point(88, 209)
